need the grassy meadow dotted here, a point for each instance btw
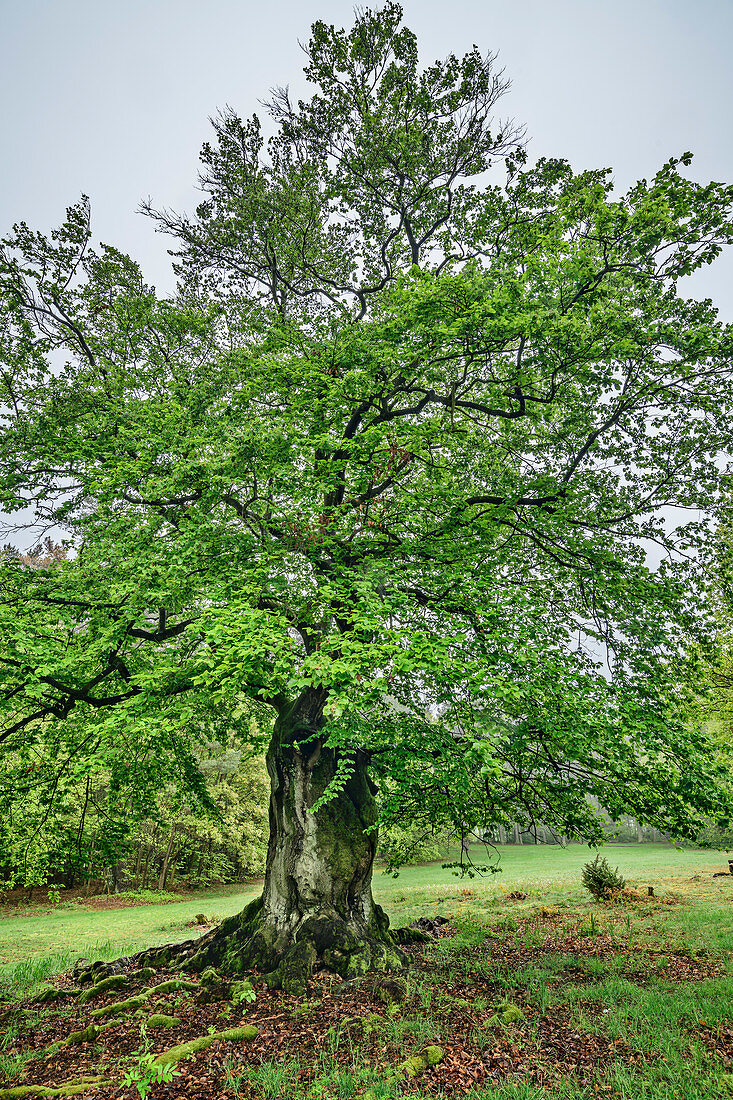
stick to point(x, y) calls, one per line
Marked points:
point(544, 994)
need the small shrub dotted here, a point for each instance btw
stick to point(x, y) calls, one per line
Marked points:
point(600, 880)
point(146, 1074)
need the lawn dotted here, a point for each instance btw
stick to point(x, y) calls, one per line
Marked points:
point(55, 938)
point(547, 994)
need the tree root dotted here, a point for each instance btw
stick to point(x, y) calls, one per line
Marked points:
point(118, 1008)
point(232, 1035)
point(71, 1088)
point(117, 981)
point(51, 993)
point(246, 942)
point(86, 1035)
point(411, 935)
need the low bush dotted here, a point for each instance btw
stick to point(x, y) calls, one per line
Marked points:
point(600, 880)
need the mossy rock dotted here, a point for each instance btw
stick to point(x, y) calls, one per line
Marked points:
point(158, 1019)
point(193, 1046)
point(418, 1063)
point(413, 1066)
point(390, 991)
point(117, 981)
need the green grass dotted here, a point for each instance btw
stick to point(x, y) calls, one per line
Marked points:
point(38, 944)
point(623, 994)
point(35, 946)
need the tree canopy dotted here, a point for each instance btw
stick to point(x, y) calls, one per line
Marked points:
point(390, 461)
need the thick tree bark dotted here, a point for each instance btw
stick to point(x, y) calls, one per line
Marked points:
point(316, 908)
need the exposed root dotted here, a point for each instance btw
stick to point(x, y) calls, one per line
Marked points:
point(232, 1035)
point(410, 935)
point(117, 981)
point(120, 1008)
point(51, 993)
point(86, 1035)
point(71, 1088)
point(159, 1019)
point(117, 1008)
point(246, 942)
point(175, 985)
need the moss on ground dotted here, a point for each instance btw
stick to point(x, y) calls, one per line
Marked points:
point(418, 1063)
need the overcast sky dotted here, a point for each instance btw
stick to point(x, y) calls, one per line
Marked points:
point(113, 99)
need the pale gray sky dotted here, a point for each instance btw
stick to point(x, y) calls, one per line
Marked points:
point(113, 99)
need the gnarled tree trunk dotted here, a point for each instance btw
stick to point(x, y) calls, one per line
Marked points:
point(317, 905)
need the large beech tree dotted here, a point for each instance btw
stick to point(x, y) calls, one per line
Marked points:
point(388, 466)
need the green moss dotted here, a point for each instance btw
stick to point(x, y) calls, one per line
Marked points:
point(242, 991)
point(158, 1019)
point(143, 975)
point(237, 1034)
point(117, 981)
point(418, 1063)
point(306, 1008)
point(120, 1007)
point(183, 1050)
point(511, 1014)
point(72, 1088)
point(50, 993)
point(410, 935)
point(411, 1067)
point(86, 1035)
point(295, 969)
point(175, 985)
point(390, 991)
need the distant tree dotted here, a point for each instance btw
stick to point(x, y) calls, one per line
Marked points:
point(386, 466)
